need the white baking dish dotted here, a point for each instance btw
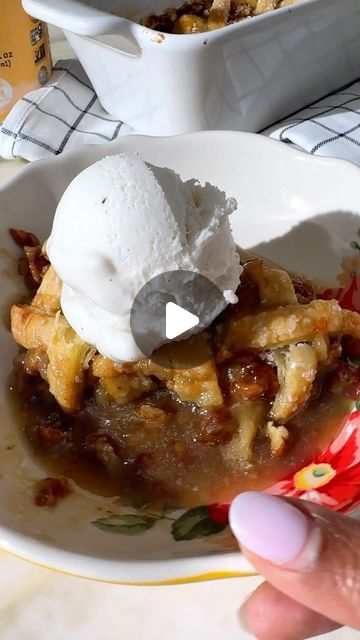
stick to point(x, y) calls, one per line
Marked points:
point(244, 76)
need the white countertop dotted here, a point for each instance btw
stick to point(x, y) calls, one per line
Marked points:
point(39, 604)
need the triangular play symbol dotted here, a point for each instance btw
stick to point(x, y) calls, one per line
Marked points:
point(178, 320)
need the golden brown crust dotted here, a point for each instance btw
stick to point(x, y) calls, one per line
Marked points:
point(31, 327)
point(219, 14)
point(48, 294)
point(350, 325)
point(198, 384)
point(263, 6)
point(298, 340)
point(124, 388)
point(196, 16)
point(286, 325)
point(278, 436)
point(250, 416)
point(68, 355)
point(274, 285)
point(297, 367)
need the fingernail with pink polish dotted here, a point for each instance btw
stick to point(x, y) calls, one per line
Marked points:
point(270, 527)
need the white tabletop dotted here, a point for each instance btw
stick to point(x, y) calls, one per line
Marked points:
point(39, 604)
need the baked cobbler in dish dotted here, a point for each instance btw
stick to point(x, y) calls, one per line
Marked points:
point(199, 16)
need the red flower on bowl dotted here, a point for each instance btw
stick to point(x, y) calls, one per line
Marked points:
point(333, 477)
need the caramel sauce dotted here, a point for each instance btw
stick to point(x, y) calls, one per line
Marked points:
point(153, 451)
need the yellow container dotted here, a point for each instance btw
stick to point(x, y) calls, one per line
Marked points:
point(25, 59)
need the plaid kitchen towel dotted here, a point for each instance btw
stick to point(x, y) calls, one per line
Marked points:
point(66, 113)
point(57, 117)
point(330, 127)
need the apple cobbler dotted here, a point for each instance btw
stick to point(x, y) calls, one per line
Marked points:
point(206, 15)
point(276, 391)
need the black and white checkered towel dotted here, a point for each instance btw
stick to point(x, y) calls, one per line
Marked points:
point(58, 117)
point(66, 113)
point(330, 127)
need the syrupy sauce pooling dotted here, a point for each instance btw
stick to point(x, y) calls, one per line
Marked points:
point(159, 450)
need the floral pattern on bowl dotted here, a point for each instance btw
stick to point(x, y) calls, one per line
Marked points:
point(198, 522)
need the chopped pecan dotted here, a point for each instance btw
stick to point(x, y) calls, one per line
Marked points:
point(38, 264)
point(216, 427)
point(153, 414)
point(247, 377)
point(33, 265)
point(24, 238)
point(104, 448)
point(49, 491)
point(50, 435)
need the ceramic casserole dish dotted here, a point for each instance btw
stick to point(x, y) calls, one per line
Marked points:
point(244, 76)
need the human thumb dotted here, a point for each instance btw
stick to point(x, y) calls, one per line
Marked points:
point(309, 553)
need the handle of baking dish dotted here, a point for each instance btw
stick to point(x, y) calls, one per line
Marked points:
point(83, 19)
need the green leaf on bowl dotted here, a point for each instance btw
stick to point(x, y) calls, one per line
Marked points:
point(195, 523)
point(128, 524)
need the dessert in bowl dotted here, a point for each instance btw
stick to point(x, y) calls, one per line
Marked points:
point(114, 442)
point(272, 387)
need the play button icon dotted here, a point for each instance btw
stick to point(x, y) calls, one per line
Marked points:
point(178, 320)
point(169, 316)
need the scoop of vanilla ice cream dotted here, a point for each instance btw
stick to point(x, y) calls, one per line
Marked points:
point(121, 222)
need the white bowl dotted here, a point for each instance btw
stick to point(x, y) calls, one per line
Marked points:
point(290, 209)
point(245, 76)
